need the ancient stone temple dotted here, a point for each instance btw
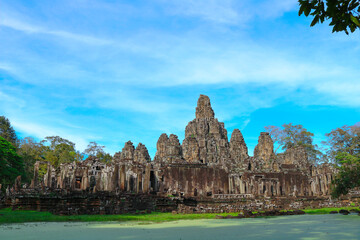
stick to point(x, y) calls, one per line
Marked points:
point(204, 173)
point(206, 164)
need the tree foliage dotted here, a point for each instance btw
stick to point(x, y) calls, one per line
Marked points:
point(7, 131)
point(344, 150)
point(345, 139)
point(31, 151)
point(96, 150)
point(58, 150)
point(11, 164)
point(344, 15)
point(289, 136)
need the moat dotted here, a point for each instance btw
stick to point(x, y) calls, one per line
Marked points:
point(284, 227)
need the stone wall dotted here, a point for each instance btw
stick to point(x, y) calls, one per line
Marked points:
point(239, 202)
point(80, 203)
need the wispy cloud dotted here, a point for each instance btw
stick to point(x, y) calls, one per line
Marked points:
point(106, 71)
point(230, 11)
point(42, 131)
point(345, 93)
point(9, 22)
point(272, 8)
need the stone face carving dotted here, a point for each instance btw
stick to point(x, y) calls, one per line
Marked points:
point(127, 153)
point(238, 149)
point(206, 165)
point(203, 109)
point(205, 137)
point(191, 150)
point(264, 150)
point(168, 150)
point(298, 157)
point(141, 154)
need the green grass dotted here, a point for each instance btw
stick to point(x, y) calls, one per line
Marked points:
point(326, 210)
point(20, 216)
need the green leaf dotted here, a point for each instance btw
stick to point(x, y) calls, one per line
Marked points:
point(355, 20)
point(314, 21)
point(301, 10)
point(307, 10)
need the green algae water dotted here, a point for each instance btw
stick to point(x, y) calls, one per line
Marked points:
point(304, 227)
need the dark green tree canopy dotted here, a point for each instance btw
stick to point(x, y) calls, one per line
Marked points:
point(11, 164)
point(7, 131)
point(344, 15)
point(344, 151)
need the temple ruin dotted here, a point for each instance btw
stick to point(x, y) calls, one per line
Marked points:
point(206, 173)
point(205, 165)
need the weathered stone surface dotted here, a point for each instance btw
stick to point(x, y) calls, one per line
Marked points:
point(209, 134)
point(264, 152)
point(141, 154)
point(17, 185)
point(174, 148)
point(238, 149)
point(206, 166)
point(127, 153)
point(321, 178)
point(193, 180)
point(168, 150)
point(191, 150)
point(75, 203)
point(204, 109)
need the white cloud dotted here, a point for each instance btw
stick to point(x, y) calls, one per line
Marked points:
point(42, 131)
point(134, 71)
point(34, 29)
point(7, 67)
point(7, 99)
point(343, 92)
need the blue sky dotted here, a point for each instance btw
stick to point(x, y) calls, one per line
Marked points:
point(113, 71)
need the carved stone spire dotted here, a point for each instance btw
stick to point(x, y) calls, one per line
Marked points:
point(264, 150)
point(168, 149)
point(127, 153)
point(141, 154)
point(238, 148)
point(205, 137)
point(204, 109)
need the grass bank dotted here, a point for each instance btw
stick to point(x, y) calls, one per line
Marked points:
point(21, 216)
point(327, 210)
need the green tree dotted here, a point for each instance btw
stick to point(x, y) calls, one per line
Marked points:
point(348, 176)
point(96, 150)
point(60, 150)
point(343, 140)
point(344, 15)
point(31, 151)
point(289, 136)
point(344, 151)
point(7, 131)
point(11, 164)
